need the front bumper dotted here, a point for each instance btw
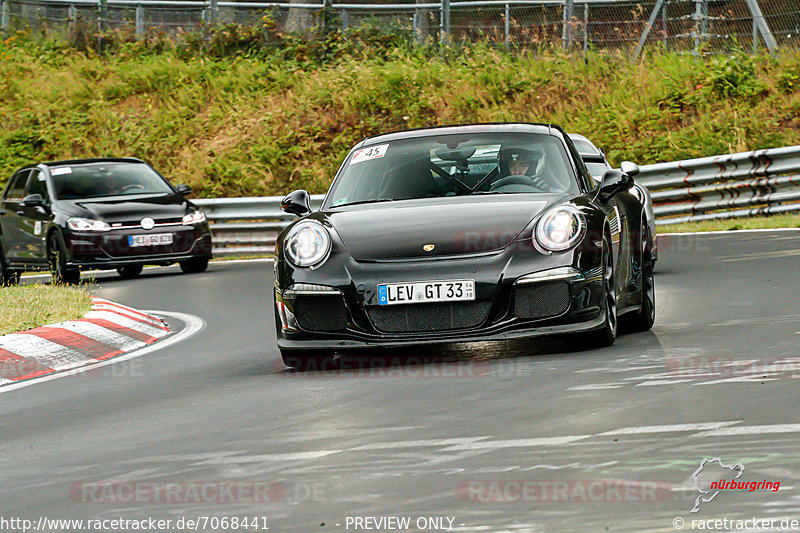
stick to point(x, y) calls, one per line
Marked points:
point(499, 284)
point(111, 250)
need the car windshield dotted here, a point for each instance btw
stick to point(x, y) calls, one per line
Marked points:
point(98, 180)
point(454, 165)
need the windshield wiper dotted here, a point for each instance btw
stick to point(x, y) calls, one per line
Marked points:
point(378, 200)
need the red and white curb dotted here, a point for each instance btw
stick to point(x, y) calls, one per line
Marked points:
point(107, 331)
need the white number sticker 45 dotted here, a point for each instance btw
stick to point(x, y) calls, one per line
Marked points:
point(365, 154)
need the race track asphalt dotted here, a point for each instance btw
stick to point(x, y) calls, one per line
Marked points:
point(454, 437)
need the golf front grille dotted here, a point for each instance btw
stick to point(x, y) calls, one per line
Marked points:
point(440, 316)
point(320, 313)
point(541, 300)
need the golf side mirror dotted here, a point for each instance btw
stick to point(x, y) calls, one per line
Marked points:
point(629, 168)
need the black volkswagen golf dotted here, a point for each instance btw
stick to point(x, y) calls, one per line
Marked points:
point(465, 233)
point(68, 216)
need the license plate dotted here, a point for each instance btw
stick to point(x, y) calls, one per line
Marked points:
point(157, 239)
point(426, 291)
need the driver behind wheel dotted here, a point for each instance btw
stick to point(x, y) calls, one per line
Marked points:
point(518, 161)
point(523, 162)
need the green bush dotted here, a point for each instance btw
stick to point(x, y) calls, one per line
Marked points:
point(254, 112)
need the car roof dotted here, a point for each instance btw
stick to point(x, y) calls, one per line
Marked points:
point(492, 127)
point(582, 139)
point(93, 160)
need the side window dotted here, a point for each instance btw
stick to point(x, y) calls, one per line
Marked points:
point(16, 189)
point(37, 185)
point(583, 173)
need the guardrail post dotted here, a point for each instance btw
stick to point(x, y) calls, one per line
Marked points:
point(4, 9)
point(444, 21)
point(508, 26)
point(139, 21)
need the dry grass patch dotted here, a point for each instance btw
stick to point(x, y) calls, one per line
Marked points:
point(30, 306)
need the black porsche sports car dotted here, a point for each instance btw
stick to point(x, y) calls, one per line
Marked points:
point(69, 216)
point(457, 234)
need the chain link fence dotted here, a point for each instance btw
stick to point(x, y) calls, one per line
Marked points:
point(682, 25)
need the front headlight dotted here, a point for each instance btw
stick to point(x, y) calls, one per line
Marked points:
point(307, 244)
point(560, 228)
point(194, 218)
point(87, 224)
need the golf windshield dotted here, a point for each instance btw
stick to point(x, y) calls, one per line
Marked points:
point(97, 180)
point(454, 165)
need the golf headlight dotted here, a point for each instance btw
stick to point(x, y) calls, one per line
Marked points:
point(194, 218)
point(307, 244)
point(560, 228)
point(87, 224)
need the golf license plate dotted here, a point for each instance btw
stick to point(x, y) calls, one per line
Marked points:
point(426, 291)
point(157, 239)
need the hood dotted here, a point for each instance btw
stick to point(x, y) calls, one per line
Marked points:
point(463, 225)
point(131, 208)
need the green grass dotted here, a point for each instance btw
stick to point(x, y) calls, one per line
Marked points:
point(243, 117)
point(30, 306)
point(775, 221)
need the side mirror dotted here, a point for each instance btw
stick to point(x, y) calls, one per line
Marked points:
point(33, 200)
point(613, 182)
point(297, 203)
point(631, 169)
point(184, 190)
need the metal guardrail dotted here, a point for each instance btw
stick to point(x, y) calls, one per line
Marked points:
point(247, 226)
point(720, 187)
point(727, 186)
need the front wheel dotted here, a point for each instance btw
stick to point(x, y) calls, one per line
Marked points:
point(308, 360)
point(606, 335)
point(194, 266)
point(57, 257)
point(8, 276)
point(130, 271)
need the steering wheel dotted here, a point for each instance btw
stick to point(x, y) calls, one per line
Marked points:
point(516, 179)
point(133, 186)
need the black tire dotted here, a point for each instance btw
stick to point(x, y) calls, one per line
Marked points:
point(308, 360)
point(194, 266)
point(8, 276)
point(130, 271)
point(57, 257)
point(644, 319)
point(606, 336)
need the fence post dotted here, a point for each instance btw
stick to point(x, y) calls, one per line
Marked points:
point(4, 16)
point(444, 22)
point(139, 21)
point(700, 23)
point(761, 23)
point(101, 14)
point(508, 26)
point(213, 9)
point(72, 16)
point(566, 31)
point(664, 24)
point(586, 32)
